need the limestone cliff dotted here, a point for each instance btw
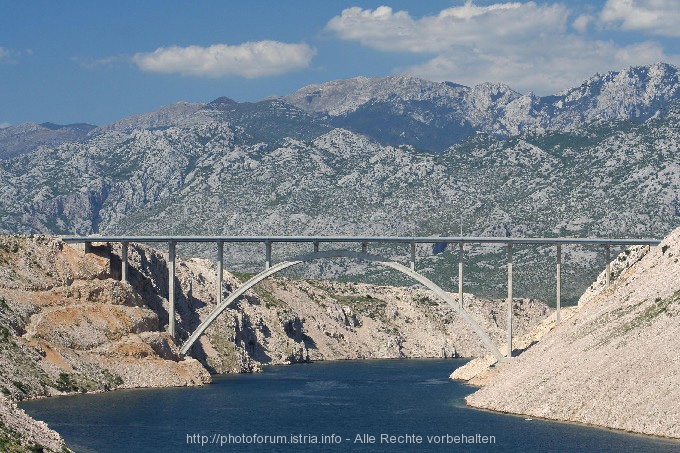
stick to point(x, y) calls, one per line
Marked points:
point(67, 326)
point(614, 363)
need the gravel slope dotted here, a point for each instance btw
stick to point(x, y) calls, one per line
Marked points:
point(614, 363)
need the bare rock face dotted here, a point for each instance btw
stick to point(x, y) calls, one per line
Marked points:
point(19, 432)
point(67, 325)
point(613, 363)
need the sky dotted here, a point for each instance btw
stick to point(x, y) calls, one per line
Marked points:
point(97, 62)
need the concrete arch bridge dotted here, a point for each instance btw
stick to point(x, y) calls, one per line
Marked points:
point(363, 255)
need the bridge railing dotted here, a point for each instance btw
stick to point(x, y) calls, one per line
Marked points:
point(268, 242)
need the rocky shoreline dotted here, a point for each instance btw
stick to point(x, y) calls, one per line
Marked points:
point(612, 359)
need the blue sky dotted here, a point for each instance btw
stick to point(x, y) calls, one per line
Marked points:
point(97, 62)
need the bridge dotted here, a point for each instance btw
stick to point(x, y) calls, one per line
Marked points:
point(363, 255)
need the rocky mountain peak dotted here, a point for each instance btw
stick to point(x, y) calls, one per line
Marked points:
point(220, 103)
point(166, 116)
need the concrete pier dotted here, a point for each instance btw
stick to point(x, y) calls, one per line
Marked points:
point(220, 272)
point(460, 275)
point(608, 269)
point(267, 255)
point(124, 261)
point(171, 288)
point(558, 284)
point(364, 247)
point(413, 256)
point(316, 246)
point(509, 327)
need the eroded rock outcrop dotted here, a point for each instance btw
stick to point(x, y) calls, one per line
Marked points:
point(69, 325)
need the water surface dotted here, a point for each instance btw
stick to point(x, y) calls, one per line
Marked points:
point(303, 403)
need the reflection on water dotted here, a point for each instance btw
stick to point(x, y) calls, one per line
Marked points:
point(336, 403)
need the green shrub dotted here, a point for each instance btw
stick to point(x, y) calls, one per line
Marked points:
point(65, 384)
point(20, 386)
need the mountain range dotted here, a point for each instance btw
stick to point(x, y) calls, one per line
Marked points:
point(392, 156)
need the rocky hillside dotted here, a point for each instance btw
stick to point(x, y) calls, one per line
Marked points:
point(67, 326)
point(602, 161)
point(20, 433)
point(206, 179)
point(24, 138)
point(614, 362)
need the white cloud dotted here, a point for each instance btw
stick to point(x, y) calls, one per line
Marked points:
point(4, 125)
point(658, 17)
point(12, 56)
point(571, 61)
point(469, 24)
point(582, 22)
point(527, 45)
point(8, 55)
point(250, 60)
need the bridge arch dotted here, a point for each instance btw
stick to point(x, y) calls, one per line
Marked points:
point(342, 254)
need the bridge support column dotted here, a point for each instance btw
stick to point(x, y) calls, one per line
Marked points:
point(558, 284)
point(509, 327)
point(171, 288)
point(460, 274)
point(124, 261)
point(608, 268)
point(220, 264)
point(316, 246)
point(364, 247)
point(413, 256)
point(267, 255)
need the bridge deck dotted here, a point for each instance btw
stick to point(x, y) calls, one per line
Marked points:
point(367, 239)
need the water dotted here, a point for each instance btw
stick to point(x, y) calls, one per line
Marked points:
point(340, 400)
